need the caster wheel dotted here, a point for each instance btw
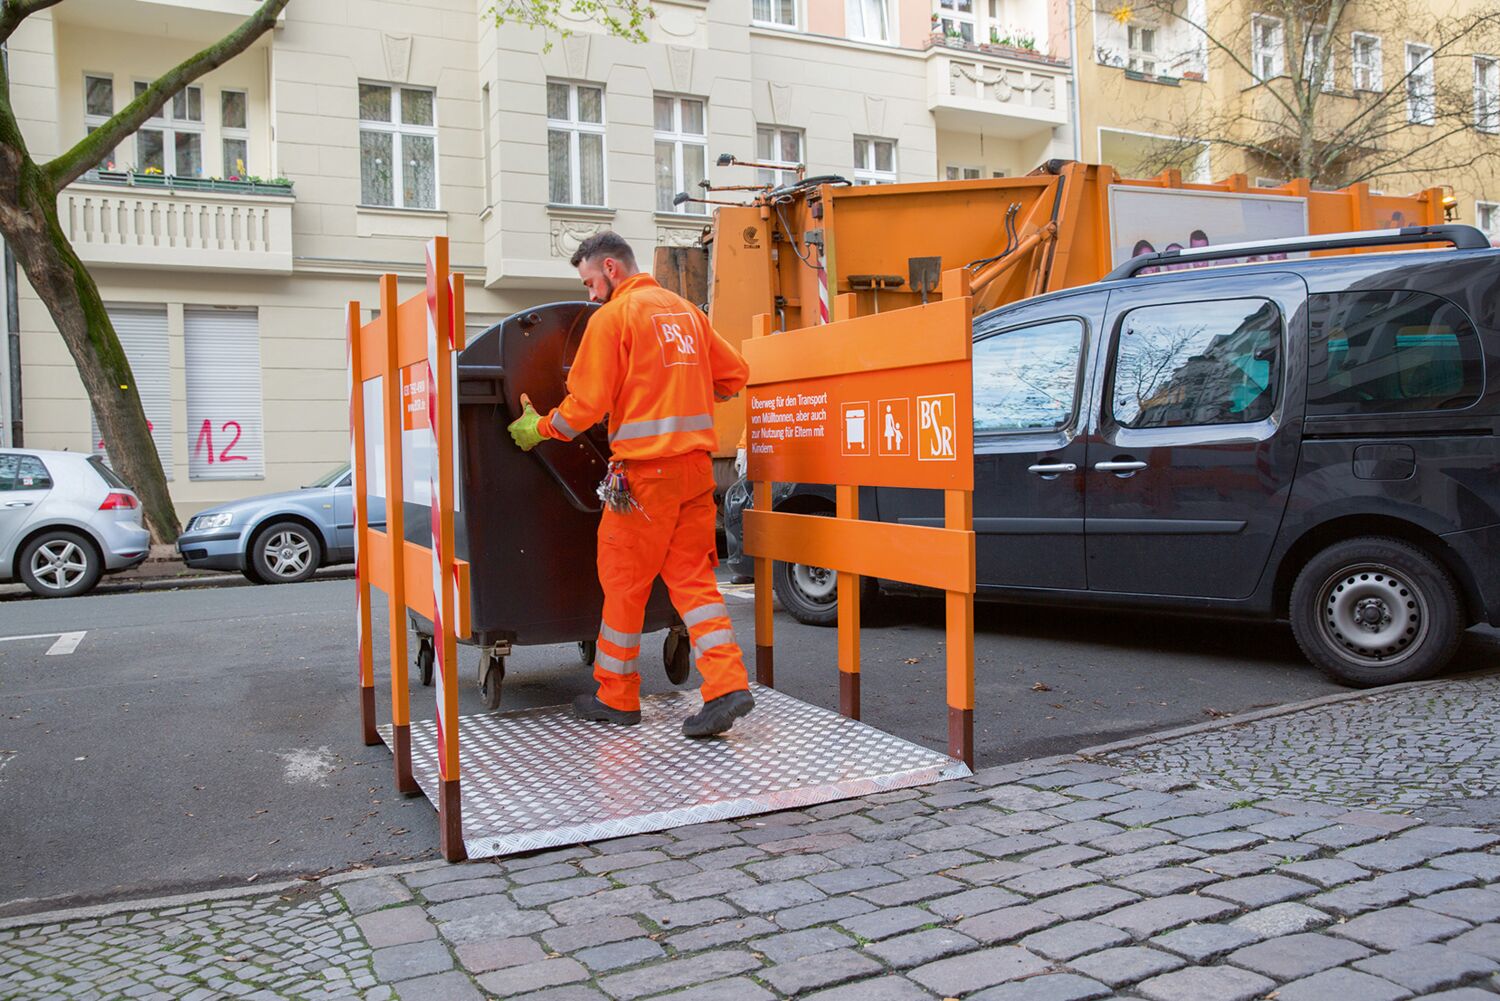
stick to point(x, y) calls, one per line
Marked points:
point(425, 660)
point(677, 656)
point(491, 678)
point(587, 651)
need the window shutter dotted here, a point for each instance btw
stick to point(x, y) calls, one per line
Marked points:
point(226, 431)
point(143, 335)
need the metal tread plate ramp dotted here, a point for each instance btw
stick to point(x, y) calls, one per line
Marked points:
point(541, 778)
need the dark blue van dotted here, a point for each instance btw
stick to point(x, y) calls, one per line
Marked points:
point(1312, 439)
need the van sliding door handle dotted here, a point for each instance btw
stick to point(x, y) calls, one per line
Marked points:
point(1120, 467)
point(1052, 468)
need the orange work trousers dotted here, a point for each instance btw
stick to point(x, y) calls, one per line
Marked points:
point(671, 535)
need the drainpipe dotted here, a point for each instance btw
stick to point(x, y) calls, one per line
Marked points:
point(13, 344)
point(1073, 84)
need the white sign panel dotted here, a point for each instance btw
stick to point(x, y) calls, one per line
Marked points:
point(1143, 220)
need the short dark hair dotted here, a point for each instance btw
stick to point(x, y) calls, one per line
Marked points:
point(605, 244)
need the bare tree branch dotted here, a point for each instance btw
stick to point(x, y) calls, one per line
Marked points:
point(66, 168)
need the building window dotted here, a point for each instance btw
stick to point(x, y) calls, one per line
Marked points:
point(1420, 84)
point(1266, 47)
point(957, 172)
point(1141, 48)
point(98, 106)
point(234, 133)
point(397, 146)
point(681, 151)
point(782, 150)
point(867, 20)
point(575, 143)
point(874, 160)
point(1366, 57)
point(1312, 53)
point(782, 13)
point(1487, 218)
point(1487, 93)
point(225, 429)
point(956, 18)
point(172, 142)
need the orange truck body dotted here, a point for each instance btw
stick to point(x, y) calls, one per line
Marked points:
point(791, 259)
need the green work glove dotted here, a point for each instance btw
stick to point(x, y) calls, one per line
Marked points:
point(523, 429)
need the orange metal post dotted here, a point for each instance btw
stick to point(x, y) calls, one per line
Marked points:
point(765, 630)
point(441, 388)
point(395, 532)
point(959, 516)
point(361, 519)
point(846, 498)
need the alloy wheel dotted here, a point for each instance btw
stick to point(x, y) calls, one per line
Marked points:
point(287, 553)
point(59, 564)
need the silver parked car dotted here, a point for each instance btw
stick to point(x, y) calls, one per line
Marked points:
point(65, 520)
point(279, 538)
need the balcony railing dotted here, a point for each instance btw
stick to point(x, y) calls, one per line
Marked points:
point(1002, 93)
point(146, 226)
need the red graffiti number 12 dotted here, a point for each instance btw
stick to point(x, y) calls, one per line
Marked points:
point(205, 442)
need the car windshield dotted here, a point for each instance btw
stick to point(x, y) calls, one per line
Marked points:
point(332, 478)
point(107, 474)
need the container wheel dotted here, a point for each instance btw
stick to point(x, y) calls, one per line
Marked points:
point(425, 659)
point(491, 677)
point(677, 656)
point(588, 650)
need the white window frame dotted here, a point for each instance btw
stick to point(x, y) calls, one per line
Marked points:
point(1319, 37)
point(1489, 227)
point(1259, 53)
point(93, 121)
point(1373, 71)
point(397, 129)
point(1141, 60)
point(1421, 107)
point(168, 124)
point(866, 172)
point(962, 172)
point(782, 171)
point(1487, 93)
point(855, 10)
point(227, 132)
point(794, 25)
point(949, 14)
point(679, 139)
point(574, 126)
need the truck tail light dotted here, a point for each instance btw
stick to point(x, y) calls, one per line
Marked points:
point(117, 501)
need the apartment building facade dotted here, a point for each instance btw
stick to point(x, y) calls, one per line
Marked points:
point(228, 233)
point(1149, 82)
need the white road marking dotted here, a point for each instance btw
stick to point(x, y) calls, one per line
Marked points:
point(66, 642)
point(305, 766)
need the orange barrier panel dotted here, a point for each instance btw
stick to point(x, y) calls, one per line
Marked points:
point(412, 346)
point(879, 400)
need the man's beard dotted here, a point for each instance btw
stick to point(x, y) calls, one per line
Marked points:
point(612, 286)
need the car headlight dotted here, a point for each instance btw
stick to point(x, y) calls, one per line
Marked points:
point(204, 522)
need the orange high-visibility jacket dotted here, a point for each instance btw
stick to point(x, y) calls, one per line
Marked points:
point(651, 361)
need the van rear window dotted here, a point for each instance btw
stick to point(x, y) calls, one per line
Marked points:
point(1390, 352)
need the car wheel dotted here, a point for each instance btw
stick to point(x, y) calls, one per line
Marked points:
point(60, 564)
point(285, 553)
point(1376, 611)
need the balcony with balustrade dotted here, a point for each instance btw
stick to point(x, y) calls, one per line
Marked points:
point(1009, 93)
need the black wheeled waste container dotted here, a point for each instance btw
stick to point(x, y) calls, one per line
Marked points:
point(530, 519)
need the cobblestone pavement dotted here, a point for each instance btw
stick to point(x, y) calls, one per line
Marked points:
point(1043, 881)
point(1403, 749)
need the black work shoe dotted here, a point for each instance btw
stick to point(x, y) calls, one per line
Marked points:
point(590, 708)
point(718, 715)
point(742, 578)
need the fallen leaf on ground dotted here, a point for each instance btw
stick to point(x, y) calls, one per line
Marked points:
point(1215, 713)
point(1041, 686)
point(914, 660)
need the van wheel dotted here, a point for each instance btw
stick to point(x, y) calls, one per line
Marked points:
point(1375, 611)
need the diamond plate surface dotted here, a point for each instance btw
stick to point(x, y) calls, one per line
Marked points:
point(540, 778)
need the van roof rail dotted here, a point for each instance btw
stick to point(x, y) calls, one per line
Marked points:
point(1461, 237)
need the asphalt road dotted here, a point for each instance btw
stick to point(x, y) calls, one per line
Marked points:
point(210, 737)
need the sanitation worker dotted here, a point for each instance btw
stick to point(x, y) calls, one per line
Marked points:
point(651, 362)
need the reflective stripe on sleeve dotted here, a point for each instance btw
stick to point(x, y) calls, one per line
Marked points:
point(708, 641)
point(628, 641)
point(614, 665)
point(665, 425)
point(562, 427)
point(703, 613)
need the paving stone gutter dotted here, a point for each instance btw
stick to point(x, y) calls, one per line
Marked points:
point(1287, 854)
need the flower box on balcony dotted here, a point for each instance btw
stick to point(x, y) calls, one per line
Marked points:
point(1192, 75)
point(277, 187)
point(1165, 81)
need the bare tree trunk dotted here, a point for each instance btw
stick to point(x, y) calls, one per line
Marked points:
point(31, 226)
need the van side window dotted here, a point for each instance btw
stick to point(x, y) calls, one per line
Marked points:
point(1026, 379)
point(1390, 352)
point(1196, 363)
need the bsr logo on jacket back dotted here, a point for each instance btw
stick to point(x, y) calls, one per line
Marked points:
point(679, 345)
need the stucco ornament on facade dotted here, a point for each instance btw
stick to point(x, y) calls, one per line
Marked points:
point(1008, 86)
point(567, 234)
point(671, 236)
point(397, 56)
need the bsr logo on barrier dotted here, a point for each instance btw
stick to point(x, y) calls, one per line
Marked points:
point(937, 423)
